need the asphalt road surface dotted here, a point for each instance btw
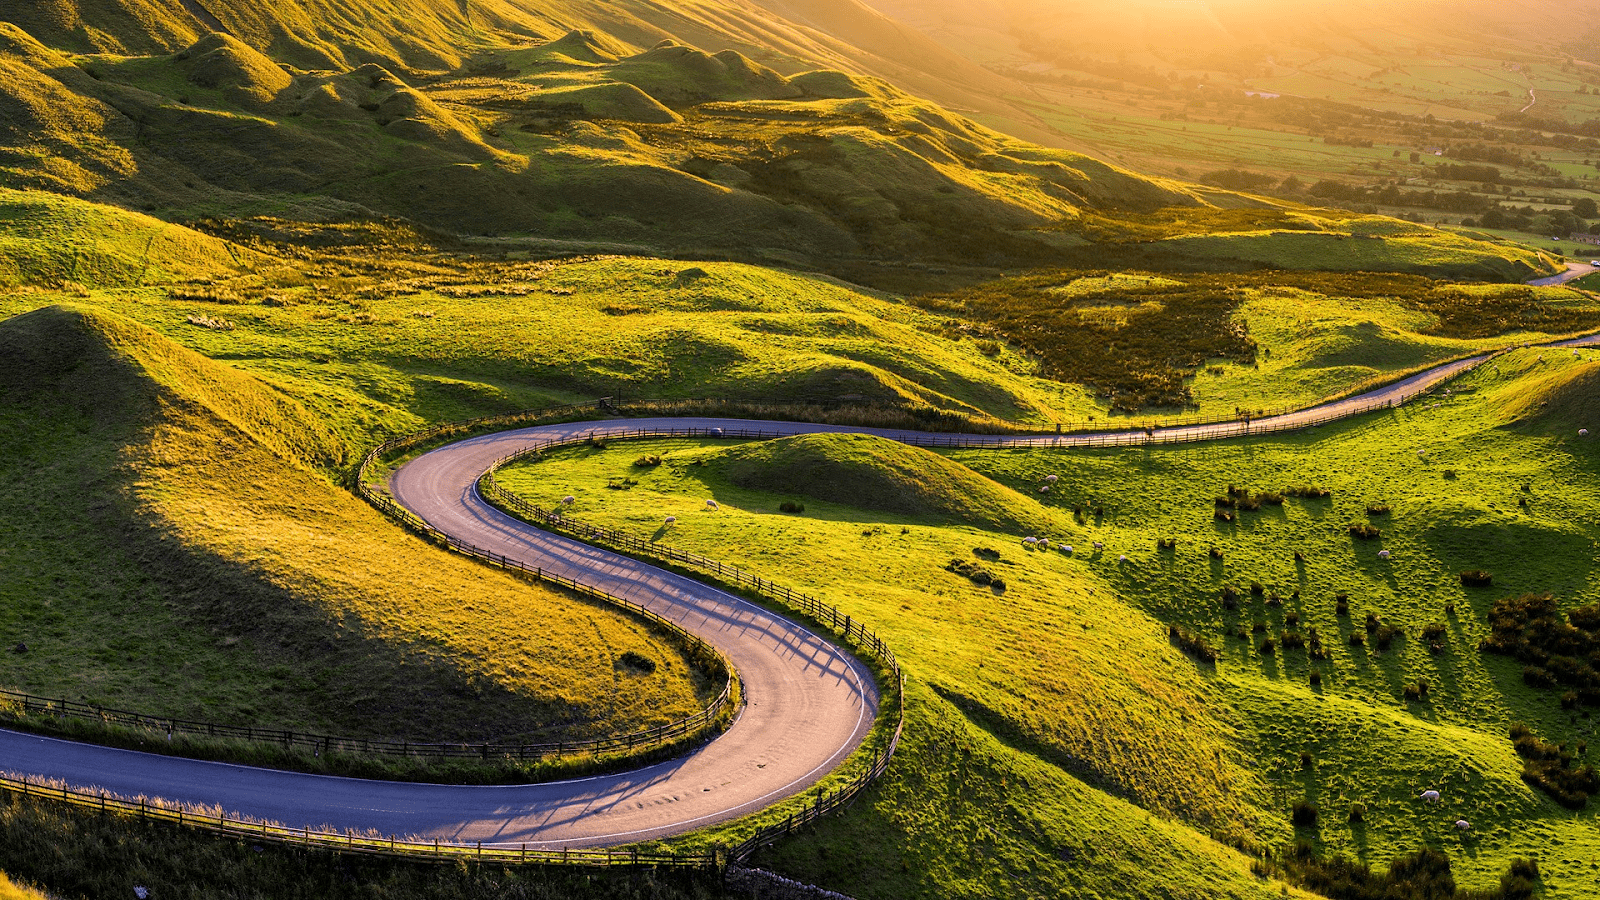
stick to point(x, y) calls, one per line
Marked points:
point(809, 705)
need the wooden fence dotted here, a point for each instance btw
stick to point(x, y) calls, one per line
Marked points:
point(348, 841)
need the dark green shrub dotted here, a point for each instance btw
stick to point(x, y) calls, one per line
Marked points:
point(789, 506)
point(1256, 589)
point(1377, 509)
point(1363, 531)
point(1291, 618)
point(1308, 492)
point(1476, 578)
point(1269, 647)
point(1215, 553)
point(1223, 502)
point(1303, 814)
point(636, 662)
point(1306, 760)
point(1316, 678)
point(1385, 635)
point(1548, 767)
point(647, 462)
point(1166, 543)
point(1223, 515)
point(1357, 639)
point(1270, 498)
point(1291, 640)
point(1358, 813)
point(988, 553)
point(1192, 644)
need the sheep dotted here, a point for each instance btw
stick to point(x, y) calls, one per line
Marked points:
point(712, 504)
point(1383, 554)
point(1067, 549)
point(1050, 478)
point(1030, 542)
point(672, 520)
point(1583, 432)
point(1099, 545)
point(1421, 453)
point(1122, 557)
point(568, 500)
point(1463, 825)
point(1045, 489)
point(1430, 796)
point(1044, 543)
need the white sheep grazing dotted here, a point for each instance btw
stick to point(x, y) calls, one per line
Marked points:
point(1463, 825)
point(1122, 557)
point(1030, 542)
point(1430, 796)
point(1383, 554)
point(568, 500)
point(1583, 432)
point(712, 504)
point(1044, 543)
point(1098, 545)
point(672, 520)
point(1045, 489)
point(1067, 549)
point(1422, 453)
point(1051, 478)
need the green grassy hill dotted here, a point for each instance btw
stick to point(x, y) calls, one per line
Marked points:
point(216, 574)
point(48, 239)
point(617, 134)
point(1334, 661)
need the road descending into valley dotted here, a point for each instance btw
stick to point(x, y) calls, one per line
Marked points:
point(809, 704)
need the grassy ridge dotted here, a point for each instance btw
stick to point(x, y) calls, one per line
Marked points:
point(51, 240)
point(219, 576)
point(1008, 662)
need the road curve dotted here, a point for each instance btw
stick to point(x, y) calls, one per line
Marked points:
point(809, 704)
point(1575, 270)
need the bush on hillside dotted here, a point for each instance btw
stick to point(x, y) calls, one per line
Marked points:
point(1192, 644)
point(1556, 650)
point(1363, 531)
point(1548, 767)
point(1303, 814)
point(1476, 578)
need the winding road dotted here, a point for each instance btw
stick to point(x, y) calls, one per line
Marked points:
point(809, 704)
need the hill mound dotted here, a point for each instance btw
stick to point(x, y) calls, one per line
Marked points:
point(123, 369)
point(199, 566)
point(1565, 400)
point(874, 473)
point(47, 239)
point(681, 76)
point(219, 61)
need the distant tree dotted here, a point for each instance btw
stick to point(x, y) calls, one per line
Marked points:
point(1416, 157)
point(1584, 208)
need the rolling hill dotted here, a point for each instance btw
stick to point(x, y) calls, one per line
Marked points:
point(491, 121)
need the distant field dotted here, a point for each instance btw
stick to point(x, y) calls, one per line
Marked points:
point(1482, 493)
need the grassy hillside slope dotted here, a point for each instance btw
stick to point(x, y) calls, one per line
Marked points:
point(602, 135)
point(48, 239)
point(1309, 701)
point(171, 547)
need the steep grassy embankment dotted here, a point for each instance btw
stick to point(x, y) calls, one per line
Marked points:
point(172, 546)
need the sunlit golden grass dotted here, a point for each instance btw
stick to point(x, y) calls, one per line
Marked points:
point(220, 576)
